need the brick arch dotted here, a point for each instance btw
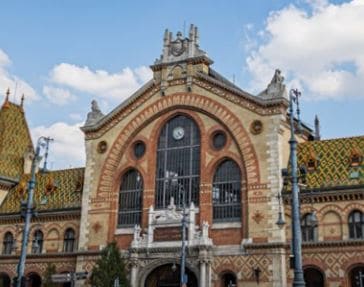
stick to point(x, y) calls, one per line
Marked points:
point(318, 265)
point(8, 270)
point(185, 101)
point(349, 265)
point(329, 208)
point(350, 208)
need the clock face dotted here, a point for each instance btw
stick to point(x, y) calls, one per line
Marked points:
point(178, 133)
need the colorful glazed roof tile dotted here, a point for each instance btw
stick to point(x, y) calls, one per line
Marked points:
point(333, 163)
point(15, 140)
point(54, 190)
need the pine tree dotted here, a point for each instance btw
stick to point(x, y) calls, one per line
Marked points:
point(108, 268)
point(51, 269)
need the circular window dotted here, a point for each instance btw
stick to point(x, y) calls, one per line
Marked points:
point(139, 149)
point(102, 147)
point(256, 127)
point(219, 140)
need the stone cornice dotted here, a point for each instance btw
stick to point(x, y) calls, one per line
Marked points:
point(61, 214)
point(333, 244)
point(230, 93)
point(331, 194)
point(195, 60)
point(8, 182)
point(121, 110)
point(242, 98)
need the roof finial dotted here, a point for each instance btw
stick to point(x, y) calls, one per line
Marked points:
point(22, 100)
point(7, 95)
point(6, 102)
point(317, 128)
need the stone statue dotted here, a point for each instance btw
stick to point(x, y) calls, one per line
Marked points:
point(137, 231)
point(95, 114)
point(276, 88)
point(277, 78)
point(205, 230)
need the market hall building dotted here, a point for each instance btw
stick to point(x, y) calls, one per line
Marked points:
point(188, 135)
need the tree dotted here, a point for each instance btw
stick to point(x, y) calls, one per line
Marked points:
point(109, 268)
point(51, 269)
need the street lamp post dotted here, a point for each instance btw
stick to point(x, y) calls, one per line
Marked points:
point(183, 281)
point(298, 279)
point(29, 211)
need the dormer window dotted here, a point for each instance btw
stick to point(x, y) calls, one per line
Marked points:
point(355, 158)
point(311, 164)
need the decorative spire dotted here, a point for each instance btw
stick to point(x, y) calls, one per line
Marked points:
point(22, 100)
point(6, 102)
point(317, 128)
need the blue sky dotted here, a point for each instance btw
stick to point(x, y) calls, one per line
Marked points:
point(63, 54)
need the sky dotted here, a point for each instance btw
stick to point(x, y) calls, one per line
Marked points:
point(63, 54)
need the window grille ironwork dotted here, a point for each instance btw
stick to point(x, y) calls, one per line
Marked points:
point(178, 160)
point(37, 245)
point(226, 192)
point(309, 231)
point(8, 243)
point(130, 199)
point(356, 225)
point(69, 240)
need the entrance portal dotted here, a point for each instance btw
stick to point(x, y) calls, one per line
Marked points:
point(34, 280)
point(168, 275)
point(313, 277)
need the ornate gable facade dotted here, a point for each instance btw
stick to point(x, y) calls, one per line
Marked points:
point(191, 136)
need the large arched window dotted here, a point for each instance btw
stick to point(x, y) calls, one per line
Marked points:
point(69, 240)
point(8, 243)
point(130, 199)
point(37, 245)
point(356, 225)
point(308, 228)
point(226, 192)
point(178, 163)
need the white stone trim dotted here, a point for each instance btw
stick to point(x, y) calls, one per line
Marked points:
point(226, 225)
point(129, 230)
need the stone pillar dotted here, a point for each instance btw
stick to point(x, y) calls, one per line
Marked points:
point(203, 272)
point(205, 266)
point(134, 272)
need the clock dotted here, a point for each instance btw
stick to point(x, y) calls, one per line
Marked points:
point(178, 133)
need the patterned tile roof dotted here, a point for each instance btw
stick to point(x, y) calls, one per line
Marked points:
point(333, 163)
point(53, 190)
point(15, 140)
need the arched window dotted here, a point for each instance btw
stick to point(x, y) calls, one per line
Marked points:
point(356, 225)
point(4, 280)
point(8, 243)
point(308, 228)
point(313, 277)
point(226, 194)
point(37, 245)
point(356, 276)
point(69, 240)
point(178, 163)
point(130, 199)
point(228, 280)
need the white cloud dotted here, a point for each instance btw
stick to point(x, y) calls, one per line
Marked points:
point(8, 80)
point(323, 50)
point(58, 96)
point(68, 145)
point(117, 86)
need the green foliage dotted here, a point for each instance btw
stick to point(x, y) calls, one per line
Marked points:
point(51, 269)
point(109, 267)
